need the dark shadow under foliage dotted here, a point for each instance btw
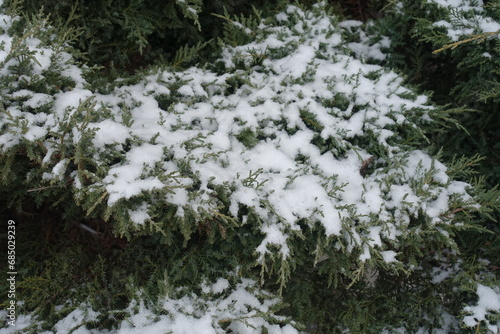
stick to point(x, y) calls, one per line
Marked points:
point(58, 259)
point(129, 35)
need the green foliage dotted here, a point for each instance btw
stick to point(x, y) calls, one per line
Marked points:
point(120, 32)
point(126, 36)
point(428, 40)
point(288, 161)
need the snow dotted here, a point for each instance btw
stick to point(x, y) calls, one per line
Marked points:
point(374, 236)
point(218, 287)
point(365, 255)
point(201, 129)
point(126, 182)
point(289, 173)
point(282, 17)
point(489, 25)
point(37, 100)
point(139, 216)
point(273, 236)
point(35, 133)
point(109, 132)
point(186, 90)
point(145, 154)
point(465, 5)
point(73, 320)
point(22, 322)
point(459, 26)
point(59, 168)
point(192, 314)
point(287, 91)
point(43, 60)
point(297, 63)
point(389, 256)
point(489, 301)
point(70, 100)
point(366, 48)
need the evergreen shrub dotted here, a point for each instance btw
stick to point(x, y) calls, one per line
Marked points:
point(125, 36)
point(452, 50)
point(286, 187)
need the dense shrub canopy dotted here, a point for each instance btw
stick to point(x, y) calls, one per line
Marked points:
point(287, 185)
point(430, 38)
point(125, 36)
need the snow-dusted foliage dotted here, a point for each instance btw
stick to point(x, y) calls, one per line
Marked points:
point(309, 133)
point(219, 308)
point(489, 301)
point(290, 136)
point(465, 18)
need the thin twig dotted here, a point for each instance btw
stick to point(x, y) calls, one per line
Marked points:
point(42, 188)
point(88, 229)
point(454, 45)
